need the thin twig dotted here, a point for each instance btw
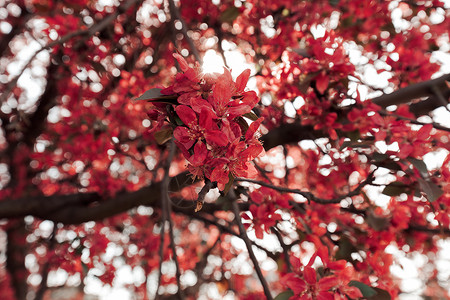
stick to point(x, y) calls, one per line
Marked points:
point(248, 243)
point(175, 13)
point(227, 229)
point(165, 210)
point(174, 249)
point(308, 195)
point(438, 93)
point(262, 171)
point(219, 35)
point(45, 269)
point(413, 121)
point(285, 248)
point(286, 169)
point(86, 32)
point(202, 194)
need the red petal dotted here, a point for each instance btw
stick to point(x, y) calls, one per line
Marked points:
point(252, 128)
point(424, 132)
point(238, 110)
point(200, 154)
point(296, 284)
point(198, 104)
point(250, 98)
point(251, 170)
point(295, 262)
point(259, 233)
point(325, 296)
point(322, 252)
point(205, 120)
point(353, 292)
point(220, 175)
point(216, 137)
point(241, 81)
point(322, 82)
point(183, 64)
point(328, 282)
point(223, 89)
point(181, 134)
point(187, 115)
point(252, 151)
point(310, 275)
point(337, 265)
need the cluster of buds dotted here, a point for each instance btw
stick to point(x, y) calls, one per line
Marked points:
point(205, 114)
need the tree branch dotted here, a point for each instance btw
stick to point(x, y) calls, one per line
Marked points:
point(308, 195)
point(86, 32)
point(175, 13)
point(248, 243)
point(290, 134)
point(415, 91)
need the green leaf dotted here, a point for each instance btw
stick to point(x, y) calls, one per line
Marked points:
point(381, 295)
point(163, 135)
point(395, 188)
point(85, 268)
point(354, 135)
point(346, 248)
point(333, 2)
point(98, 67)
point(432, 190)
point(360, 144)
point(378, 223)
point(242, 124)
point(284, 295)
point(366, 290)
point(230, 14)
point(155, 96)
point(389, 164)
point(420, 166)
point(151, 94)
point(379, 157)
point(251, 116)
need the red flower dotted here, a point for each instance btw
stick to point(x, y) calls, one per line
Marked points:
point(228, 99)
point(236, 161)
point(197, 128)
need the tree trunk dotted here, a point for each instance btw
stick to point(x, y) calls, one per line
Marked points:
point(15, 262)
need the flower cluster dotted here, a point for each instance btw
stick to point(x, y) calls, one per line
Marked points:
point(208, 124)
point(265, 212)
point(334, 281)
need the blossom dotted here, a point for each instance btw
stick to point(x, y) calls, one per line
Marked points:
point(197, 128)
point(207, 123)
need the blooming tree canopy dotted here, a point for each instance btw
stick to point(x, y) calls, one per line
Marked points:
point(310, 164)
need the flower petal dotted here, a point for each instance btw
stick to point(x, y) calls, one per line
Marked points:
point(223, 89)
point(241, 81)
point(187, 115)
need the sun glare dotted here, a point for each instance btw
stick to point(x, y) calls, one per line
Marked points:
point(212, 62)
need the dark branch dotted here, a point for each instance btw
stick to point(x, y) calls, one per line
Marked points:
point(415, 91)
point(248, 243)
point(308, 195)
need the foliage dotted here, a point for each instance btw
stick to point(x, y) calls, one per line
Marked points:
point(317, 161)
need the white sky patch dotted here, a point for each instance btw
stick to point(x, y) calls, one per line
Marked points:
point(212, 62)
point(318, 31)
